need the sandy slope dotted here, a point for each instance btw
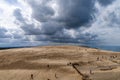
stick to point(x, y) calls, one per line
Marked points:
point(52, 63)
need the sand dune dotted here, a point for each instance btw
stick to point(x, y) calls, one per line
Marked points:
point(56, 63)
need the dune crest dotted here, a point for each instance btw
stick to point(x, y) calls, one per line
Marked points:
point(59, 63)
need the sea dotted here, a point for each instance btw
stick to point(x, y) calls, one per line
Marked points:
point(109, 48)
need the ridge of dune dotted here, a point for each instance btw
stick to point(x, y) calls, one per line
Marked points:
point(53, 63)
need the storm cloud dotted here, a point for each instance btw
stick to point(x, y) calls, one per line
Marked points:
point(3, 33)
point(63, 21)
point(59, 22)
point(72, 14)
point(105, 2)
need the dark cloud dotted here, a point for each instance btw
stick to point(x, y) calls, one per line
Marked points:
point(19, 16)
point(41, 11)
point(75, 13)
point(46, 28)
point(72, 15)
point(4, 36)
point(29, 29)
point(51, 28)
point(106, 2)
point(3, 33)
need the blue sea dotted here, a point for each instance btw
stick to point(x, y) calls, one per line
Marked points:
point(110, 48)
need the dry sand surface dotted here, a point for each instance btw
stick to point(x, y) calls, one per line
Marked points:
point(59, 63)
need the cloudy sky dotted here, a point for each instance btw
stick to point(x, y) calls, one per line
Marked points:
point(38, 22)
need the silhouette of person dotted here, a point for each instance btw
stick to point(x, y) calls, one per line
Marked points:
point(32, 77)
point(48, 65)
point(98, 58)
point(56, 75)
point(91, 71)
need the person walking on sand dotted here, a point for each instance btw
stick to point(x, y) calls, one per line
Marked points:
point(56, 76)
point(91, 71)
point(98, 58)
point(31, 77)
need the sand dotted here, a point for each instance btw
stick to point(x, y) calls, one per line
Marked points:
point(56, 63)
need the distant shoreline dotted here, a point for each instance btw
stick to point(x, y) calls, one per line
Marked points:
point(107, 48)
